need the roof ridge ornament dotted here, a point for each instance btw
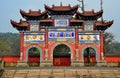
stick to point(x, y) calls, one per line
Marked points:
point(61, 4)
point(20, 21)
point(53, 6)
point(39, 11)
point(30, 10)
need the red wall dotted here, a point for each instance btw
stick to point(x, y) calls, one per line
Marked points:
point(113, 59)
point(17, 58)
point(10, 58)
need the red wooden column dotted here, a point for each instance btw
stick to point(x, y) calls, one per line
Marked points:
point(76, 43)
point(22, 45)
point(46, 44)
point(101, 45)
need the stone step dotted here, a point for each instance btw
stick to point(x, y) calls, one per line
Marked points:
point(61, 73)
point(19, 77)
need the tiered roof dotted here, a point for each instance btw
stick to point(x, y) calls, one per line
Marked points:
point(89, 15)
point(34, 14)
point(67, 10)
point(103, 25)
point(22, 25)
point(61, 8)
point(45, 17)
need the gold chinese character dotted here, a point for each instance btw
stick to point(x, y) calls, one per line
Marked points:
point(88, 37)
point(34, 37)
point(27, 37)
point(41, 37)
point(81, 37)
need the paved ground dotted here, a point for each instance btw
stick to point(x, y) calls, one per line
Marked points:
point(62, 72)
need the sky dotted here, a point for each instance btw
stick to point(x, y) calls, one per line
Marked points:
point(10, 9)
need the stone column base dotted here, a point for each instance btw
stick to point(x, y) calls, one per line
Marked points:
point(77, 63)
point(45, 63)
point(101, 63)
point(22, 63)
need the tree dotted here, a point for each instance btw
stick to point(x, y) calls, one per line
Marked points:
point(109, 39)
point(111, 46)
point(4, 47)
point(9, 43)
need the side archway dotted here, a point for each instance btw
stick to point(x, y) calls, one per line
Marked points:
point(90, 56)
point(33, 55)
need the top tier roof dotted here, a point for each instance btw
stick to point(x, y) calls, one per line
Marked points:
point(61, 10)
point(61, 7)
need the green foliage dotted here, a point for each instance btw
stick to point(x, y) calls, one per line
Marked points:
point(9, 44)
point(34, 51)
point(108, 37)
point(37, 52)
point(3, 44)
point(111, 46)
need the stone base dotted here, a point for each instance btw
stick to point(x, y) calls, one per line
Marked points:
point(22, 63)
point(101, 63)
point(46, 63)
point(77, 63)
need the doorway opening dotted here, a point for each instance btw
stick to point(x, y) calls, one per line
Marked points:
point(61, 55)
point(33, 57)
point(89, 56)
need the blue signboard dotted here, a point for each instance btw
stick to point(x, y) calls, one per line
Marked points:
point(61, 35)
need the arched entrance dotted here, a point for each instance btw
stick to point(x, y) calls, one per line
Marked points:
point(89, 56)
point(33, 56)
point(61, 55)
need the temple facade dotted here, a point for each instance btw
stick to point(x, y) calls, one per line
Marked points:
point(61, 36)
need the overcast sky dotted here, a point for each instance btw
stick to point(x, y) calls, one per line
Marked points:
point(9, 9)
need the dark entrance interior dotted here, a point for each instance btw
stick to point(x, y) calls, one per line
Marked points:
point(89, 57)
point(61, 55)
point(33, 57)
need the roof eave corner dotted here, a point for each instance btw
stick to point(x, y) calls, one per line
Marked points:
point(12, 22)
point(23, 13)
point(46, 7)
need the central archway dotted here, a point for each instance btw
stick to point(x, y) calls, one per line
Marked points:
point(33, 56)
point(61, 55)
point(89, 56)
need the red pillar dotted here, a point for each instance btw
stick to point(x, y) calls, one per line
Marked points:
point(76, 44)
point(46, 38)
point(46, 43)
point(22, 44)
point(76, 38)
point(101, 44)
